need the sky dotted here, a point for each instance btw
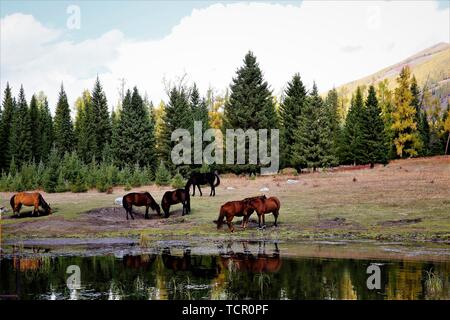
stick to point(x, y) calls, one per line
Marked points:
point(152, 43)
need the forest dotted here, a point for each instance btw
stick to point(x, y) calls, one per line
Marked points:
point(131, 144)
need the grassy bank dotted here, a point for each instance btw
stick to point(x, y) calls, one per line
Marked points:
point(407, 200)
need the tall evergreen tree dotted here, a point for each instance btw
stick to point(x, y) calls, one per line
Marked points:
point(85, 128)
point(6, 127)
point(250, 104)
point(177, 115)
point(46, 121)
point(290, 111)
point(63, 129)
point(133, 138)
point(250, 101)
point(406, 137)
point(377, 151)
point(36, 129)
point(312, 139)
point(352, 147)
point(101, 122)
point(21, 138)
point(333, 121)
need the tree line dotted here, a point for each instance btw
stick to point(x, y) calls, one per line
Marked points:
point(131, 145)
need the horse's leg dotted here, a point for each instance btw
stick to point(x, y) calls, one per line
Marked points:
point(131, 212)
point(264, 220)
point(184, 208)
point(201, 194)
point(259, 220)
point(230, 224)
point(193, 187)
point(36, 207)
point(146, 212)
point(275, 214)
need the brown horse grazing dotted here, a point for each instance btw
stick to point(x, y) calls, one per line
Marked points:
point(174, 197)
point(33, 199)
point(139, 199)
point(262, 206)
point(233, 209)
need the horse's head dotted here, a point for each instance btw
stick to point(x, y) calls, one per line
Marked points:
point(48, 209)
point(219, 223)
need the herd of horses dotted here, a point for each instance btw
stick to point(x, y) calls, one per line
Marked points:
point(244, 208)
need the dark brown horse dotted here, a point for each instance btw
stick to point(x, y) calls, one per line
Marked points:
point(233, 209)
point(139, 199)
point(262, 206)
point(143, 261)
point(174, 197)
point(197, 179)
point(177, 263)
point(33, 199)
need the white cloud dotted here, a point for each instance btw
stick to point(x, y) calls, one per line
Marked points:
point(209, 45)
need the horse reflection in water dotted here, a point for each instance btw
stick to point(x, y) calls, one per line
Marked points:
point(193, 264)
point(143, 261)
point(248, 262)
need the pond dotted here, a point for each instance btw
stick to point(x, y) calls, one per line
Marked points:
point(232, 271)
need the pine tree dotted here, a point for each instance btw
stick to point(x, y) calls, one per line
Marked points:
point(374, 134)
point(385, 101)
point(177, 115)
point(331, 106)
point(312, 139)
point(250, 100)
point(46, 121)
point(352, 146)
point(63, 129)
point(101, 125)
point(133, 137)
point(21, 138)
point(250, 104)
point(36, 129)
point(290, 111)
point(5, 127)
point(85, 127)
point(424, 133)
point(406, 137)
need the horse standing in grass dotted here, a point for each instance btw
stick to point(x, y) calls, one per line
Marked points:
point(198, 179)
point(139, 199)
point(262, 206)
point(33, 199)
point(174, 197)
point(233, 209)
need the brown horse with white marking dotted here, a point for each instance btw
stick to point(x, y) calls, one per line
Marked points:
point(262, 206)
point(174, 197)
point(33, 199)
point(139, 199)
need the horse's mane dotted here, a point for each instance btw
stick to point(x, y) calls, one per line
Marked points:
point(255, 198)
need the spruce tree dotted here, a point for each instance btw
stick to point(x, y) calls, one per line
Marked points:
point(133, 139)
point(406, 137)
point(177, 115)
point(250, 104)
point(101, 122)
point(36, 129)
point(290, 111)
point(331, 106)
point(21, 139)
point(85, 127)
point(6, 127)
point(424, 133)
point(352, 147)
point(312, 139)
point(377, 151)
point(63, 129)
point(46, 127)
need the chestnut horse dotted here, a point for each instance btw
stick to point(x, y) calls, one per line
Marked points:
point(139, 199)
point(233, 209)
point(33, 199)
point(174, 197)
point(262, 206)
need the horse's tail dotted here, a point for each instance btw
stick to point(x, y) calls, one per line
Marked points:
point(11, 201)
point(218, 179)
point(125, 203)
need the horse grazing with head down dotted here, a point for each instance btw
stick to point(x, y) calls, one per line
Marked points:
point(174, 197)
point(198, 179)
point(233, 209)
point(262, 206)
point(139, 199)
point(33, 199)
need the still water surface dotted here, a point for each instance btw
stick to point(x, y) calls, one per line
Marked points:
point(176, 273)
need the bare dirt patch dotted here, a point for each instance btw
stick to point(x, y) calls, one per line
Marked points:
point(400, 222)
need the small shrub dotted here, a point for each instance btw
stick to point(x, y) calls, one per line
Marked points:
point(162, 176)
point(178, 181)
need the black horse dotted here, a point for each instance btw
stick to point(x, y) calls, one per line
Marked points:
point(198, 179)
point(174, 197)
